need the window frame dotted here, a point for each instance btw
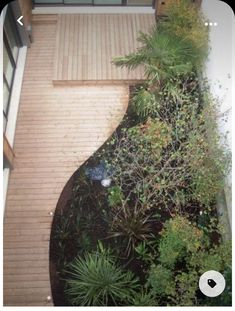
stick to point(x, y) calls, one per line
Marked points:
point(13, 60)
point(124, 3)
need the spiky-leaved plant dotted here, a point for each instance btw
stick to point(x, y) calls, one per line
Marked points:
point(96, 280)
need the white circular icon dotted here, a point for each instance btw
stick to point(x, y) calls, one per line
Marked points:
point(212, 283)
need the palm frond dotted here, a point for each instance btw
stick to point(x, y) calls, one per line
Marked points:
point(130, 61)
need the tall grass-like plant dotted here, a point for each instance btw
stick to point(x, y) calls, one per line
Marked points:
point(96, 280)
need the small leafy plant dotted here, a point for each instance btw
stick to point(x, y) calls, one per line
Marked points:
point(115, 196)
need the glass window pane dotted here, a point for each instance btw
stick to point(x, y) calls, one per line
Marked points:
point(4, 123)
point(78, 1)
point(6, 95)
point(108, 2)
point(5, 162)
point(140, 2)
point(48, 1)
point(8, 68)
point(11, 36)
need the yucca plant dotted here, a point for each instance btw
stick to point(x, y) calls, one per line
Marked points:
point(96, 280)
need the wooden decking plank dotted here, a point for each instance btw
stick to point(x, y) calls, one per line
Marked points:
point(56, 132)
point(26, 278)
point(88, 42)
point(14, 285)
point(57, 51)
point(80, 40)
point(71, 44)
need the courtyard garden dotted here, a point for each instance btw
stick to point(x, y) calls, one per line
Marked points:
point(138, 224)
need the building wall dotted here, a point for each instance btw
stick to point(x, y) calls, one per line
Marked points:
point(219, 73)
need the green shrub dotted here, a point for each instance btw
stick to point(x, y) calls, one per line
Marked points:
point(186, 287)
point(161, 281)
point(185, 21)
point(96, 280)
point(209, 162)
point(173, 160)
point(179, 239)
point(182, 255)
point(224, 299)
point(216, 258)
point(144, 164)
point(153, 136)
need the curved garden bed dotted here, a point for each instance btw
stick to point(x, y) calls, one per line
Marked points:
point(137, 223)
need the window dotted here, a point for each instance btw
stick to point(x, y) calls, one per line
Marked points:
point(48, 1)
point(139, 2)
point(77, 1)
point(8, 65)
point(11, 36)
point(11, 45)
point(108, 2)
point(95, 2)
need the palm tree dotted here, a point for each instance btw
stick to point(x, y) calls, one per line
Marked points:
point(162, 55)
point(164, 58)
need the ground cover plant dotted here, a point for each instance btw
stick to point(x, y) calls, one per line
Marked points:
point(146, 239)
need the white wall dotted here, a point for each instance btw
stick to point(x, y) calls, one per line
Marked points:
point(219, 65)
point(219, 71)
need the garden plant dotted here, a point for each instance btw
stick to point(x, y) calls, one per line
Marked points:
point(146, 239)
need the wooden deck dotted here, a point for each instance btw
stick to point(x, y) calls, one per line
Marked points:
point(87, 43)
point(58, 128)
